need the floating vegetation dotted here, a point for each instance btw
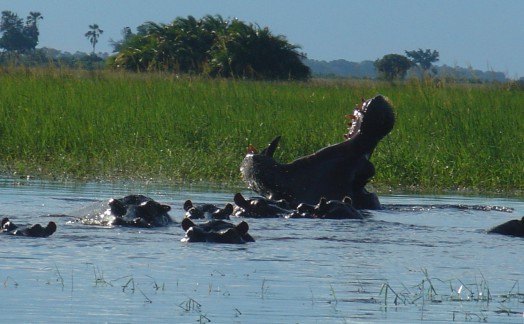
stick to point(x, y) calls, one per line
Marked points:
point(190, 305)
point(10, 279)
point(99, 278)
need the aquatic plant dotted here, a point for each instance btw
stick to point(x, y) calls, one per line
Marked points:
point(461, 292)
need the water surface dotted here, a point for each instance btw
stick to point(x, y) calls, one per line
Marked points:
point(402, 264)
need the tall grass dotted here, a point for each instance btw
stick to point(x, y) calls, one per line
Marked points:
point(455, 137)
point(73, 124)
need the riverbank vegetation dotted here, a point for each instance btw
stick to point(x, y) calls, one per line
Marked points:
point(70, 124)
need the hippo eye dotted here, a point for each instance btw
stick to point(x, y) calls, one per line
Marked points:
point(259, 203)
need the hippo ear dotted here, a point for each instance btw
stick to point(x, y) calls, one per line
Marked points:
point(228, 208)
point(188, 205)
point(51, 228)
point(270, 149)
point(240, 200)
point(242, 228)
point(347, 200)
point(5, 220)
point(187, 224)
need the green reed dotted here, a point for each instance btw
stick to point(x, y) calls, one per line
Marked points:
point(74, 124)
point(455, 137)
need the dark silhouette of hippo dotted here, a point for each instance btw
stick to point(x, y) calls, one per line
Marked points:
point(513, 227)
point(37, 230)
point(216, 231)
point(207, 211)
point(139, 211)
point(333, 172)
point(328, 209)
point(132, 211)
point(260, 207)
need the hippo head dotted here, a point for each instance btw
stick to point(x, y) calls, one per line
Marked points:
point(513, 227)
point(333, 172)
point(329, 209)
point(260, 207)
point(216, 231)
point(37, 230)
point(140, 213)
point(207, 211)
point(7, 225)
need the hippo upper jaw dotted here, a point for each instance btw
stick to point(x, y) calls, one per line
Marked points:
point(333, 172)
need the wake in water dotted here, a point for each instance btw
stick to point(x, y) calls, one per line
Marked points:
point(418, 208)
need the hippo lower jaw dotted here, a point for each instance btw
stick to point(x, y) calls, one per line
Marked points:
point(333, 172)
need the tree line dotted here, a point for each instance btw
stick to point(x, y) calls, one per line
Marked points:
point(395, 66)
point(211, 46)
point(19, 36)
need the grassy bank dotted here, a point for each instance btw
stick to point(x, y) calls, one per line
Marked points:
point(71, 124)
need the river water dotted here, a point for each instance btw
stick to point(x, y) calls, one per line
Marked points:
point(407, 263)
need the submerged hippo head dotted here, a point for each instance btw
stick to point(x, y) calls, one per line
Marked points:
point(7, 225)
point(36, 230)
point(513, 227)
point(139, 211)
point(260, 207)
point(328, 209)
point(207, 211)
point(216, 231)
point(333, 172)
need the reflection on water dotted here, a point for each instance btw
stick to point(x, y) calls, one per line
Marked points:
point(400, 265)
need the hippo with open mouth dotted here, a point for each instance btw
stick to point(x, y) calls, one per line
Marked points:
point(216, 231)
point(36, 230)
point(131, 211)
point(333, 172)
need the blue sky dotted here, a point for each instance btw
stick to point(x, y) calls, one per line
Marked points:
point(483, 34)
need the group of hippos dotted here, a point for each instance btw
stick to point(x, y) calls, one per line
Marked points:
point(328, 184)
point(202, 222)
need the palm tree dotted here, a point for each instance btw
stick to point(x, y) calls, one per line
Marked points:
point(93, 35)
point(33, 18)
point(248, 51)
point(32, 27)
point(213, 46)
